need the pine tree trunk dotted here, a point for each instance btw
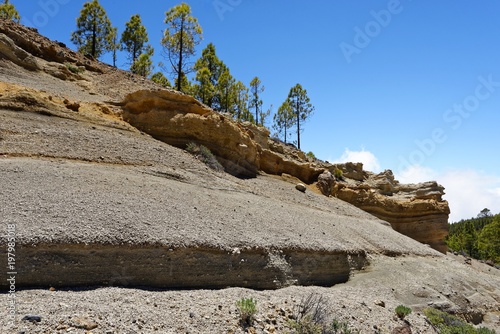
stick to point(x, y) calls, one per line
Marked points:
point(298, 125)
point(181, 47)
point(94, 40)
point(256, 112)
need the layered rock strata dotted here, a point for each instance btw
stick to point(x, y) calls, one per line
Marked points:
point(186, 267)
point(244, 149)
point(415, 210)
point(179, 119)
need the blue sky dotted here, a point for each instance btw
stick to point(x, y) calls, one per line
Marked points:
point(412, 86)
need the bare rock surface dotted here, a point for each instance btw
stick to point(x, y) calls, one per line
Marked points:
point(109, 222)
point(178, 120)
point(415, 210)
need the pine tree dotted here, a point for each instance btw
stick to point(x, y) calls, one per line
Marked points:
point(225, 92)
point(204, 90)
point(9, 12)
point(208, 70)
point(478, 237)
point(241, 103)
point(484, 213)
point(489, 241)
point(301, 106)
point(184, 84)
point(134, 38)
point(180, 37)
point(114, 45)
point(94, 32)
point(161, 79)
point(256, 89)
point(284, 120)
point(143, 65)
point(263, 115)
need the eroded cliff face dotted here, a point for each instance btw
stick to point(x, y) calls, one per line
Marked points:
point(179, 119)
point(415, 210)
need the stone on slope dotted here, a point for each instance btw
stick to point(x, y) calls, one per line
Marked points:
point(9, 50)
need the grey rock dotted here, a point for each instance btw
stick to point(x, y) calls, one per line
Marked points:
point(32, 318)
point(301, 187)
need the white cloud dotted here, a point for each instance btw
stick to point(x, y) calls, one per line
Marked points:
point(415, 174)
point(367, 158)
point(467, 191)
point(470, 191)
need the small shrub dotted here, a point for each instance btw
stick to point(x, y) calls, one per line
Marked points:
point(337, 327)
point(310, 318)
point(247, 307)
point(311, 155)
point(73, 69)
point(402, 311)
point(338, 173)
point(449, 324)
point(192, 148)
point(306, 325)
point(203, 154)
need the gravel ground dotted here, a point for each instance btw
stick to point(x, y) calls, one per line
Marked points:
point(367, 302)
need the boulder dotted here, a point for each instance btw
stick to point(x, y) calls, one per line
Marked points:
point(275, 163)
point(325, 183)
point(9, 50)
point(350, 170)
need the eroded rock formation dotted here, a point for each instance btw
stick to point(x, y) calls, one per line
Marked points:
point(26, 48)
point(416, 210)
point(179, 119)
point(244, 149)
point(209, 267)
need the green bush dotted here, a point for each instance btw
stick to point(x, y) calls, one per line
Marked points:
point(337, 327)
point(311, 155)
point(247, 307)
point(203, 154)
point(73, 69)
point(338, 173)
point(402, 311)
point(449, 324)
point(306, 325)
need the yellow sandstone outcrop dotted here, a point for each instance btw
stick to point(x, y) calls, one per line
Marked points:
point(244, 149)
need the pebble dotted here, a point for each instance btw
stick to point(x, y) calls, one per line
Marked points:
point(32, 318)
point(301, 187)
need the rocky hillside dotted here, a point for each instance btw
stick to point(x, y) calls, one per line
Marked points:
point(416, 210)
point(106, 205)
